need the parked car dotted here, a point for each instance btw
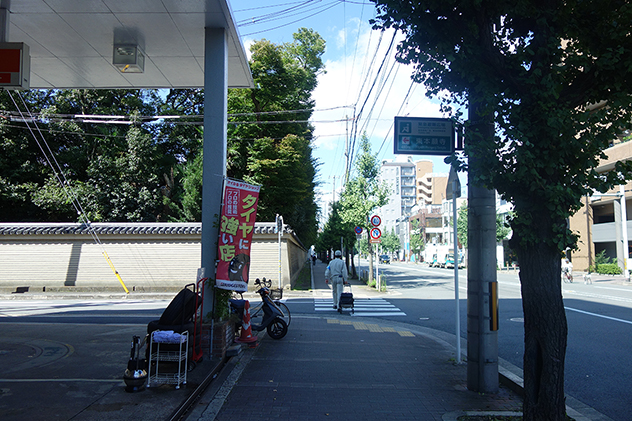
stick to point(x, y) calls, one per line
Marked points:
point(449, 260)
point(384, 258)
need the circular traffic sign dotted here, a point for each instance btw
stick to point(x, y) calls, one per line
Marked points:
point(358, 230)
point(376, 221)
point(375, 233)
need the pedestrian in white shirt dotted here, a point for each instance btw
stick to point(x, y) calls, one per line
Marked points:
point(336, 272)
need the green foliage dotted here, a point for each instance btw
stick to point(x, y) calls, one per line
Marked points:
point(334, 229)
point(605, 265)
point(534, 68)
point(462, 224)
point(222, 304)
point(607, 269)
point(383, 283)
point(502, 227)
point(114, 169)
point(363, 193)
point(279, 156)
point(304, 279)
point(390, 242)
point(602, 259)
point(153, 172)
point(548, 85)
point(417, 243)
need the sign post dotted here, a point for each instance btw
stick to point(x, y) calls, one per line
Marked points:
point(424, 136)
point(279, 229)
point(375, 234)
point(453, 191)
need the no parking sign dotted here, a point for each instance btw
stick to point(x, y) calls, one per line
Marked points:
point(375, 234)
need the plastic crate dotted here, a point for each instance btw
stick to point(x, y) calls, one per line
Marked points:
point(276, 294)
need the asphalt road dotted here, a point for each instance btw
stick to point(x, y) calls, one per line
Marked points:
point(599, 327)
point(597, 370)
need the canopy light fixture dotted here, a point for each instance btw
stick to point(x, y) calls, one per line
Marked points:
point(128, 58)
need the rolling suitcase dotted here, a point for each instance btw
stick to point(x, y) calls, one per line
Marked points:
point(346, 300)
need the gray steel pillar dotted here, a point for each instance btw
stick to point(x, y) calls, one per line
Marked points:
point(214, 170)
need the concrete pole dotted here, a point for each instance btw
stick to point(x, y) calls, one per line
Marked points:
point(214, 162)
point(624, 232)
point(482, 342)
point(5, 11)
point(618, 229)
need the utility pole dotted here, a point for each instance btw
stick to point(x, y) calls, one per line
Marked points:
point(482, 341)
point(347, 154)
point(4, 20)
point(334, 190)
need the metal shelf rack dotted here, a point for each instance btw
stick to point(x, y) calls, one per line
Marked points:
point(164, 353)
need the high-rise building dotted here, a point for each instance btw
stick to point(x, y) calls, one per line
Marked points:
point(399, 175)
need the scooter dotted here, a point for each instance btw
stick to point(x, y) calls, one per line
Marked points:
point(272, 315)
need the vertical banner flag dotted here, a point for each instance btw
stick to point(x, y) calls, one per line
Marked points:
point(237, 224)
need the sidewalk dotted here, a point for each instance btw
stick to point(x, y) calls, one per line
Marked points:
point(339, 367)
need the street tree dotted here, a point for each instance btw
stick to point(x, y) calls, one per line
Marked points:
point(502, 228)
point(554, 80)
point(22, 168)
point(286, 172)
point(111, 169)
point(363, 194)
point(269, 137)
point(336, 231)
point(270, 123)
point(390, 242)
point(417, 242)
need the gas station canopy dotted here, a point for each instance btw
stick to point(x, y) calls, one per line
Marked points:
point(82, 43)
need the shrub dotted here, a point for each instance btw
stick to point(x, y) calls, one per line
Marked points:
point(608, 269)
point(602, 259)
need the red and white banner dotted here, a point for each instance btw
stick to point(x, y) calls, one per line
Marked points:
point(237, 225)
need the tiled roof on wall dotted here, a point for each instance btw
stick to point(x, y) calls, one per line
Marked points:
point(117, 228)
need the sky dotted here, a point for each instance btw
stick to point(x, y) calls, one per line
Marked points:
point(361, 79)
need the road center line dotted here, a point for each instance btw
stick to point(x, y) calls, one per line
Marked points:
point(599, 315)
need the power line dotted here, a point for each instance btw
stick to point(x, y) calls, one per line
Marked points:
point(368, 95)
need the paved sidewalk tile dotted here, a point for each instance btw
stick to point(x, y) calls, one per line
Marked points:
point(340, 369)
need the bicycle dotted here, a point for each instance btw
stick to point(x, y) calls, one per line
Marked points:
point(567, 276)
point(256, 310)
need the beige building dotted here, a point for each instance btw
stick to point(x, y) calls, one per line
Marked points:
point(430, 186)
point(604, 222)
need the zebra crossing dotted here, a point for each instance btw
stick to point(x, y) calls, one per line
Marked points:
point(368, 307)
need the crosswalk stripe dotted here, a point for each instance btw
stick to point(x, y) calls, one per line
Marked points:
point(362, 307)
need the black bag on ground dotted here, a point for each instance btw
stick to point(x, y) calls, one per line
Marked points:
point(181, 309)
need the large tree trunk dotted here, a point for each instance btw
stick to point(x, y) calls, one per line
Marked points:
point(545, 332)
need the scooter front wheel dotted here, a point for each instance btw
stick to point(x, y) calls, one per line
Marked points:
point(277, 329)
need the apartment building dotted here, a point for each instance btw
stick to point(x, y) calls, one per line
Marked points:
point(430, 186)
point(399, 175)
point(604, 222)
